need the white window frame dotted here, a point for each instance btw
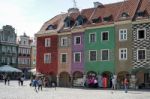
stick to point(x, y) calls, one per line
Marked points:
point(61, 57)
point(102, 54)
point(47, 42)
point(75, 40)
point(61, 41)
point(75, 58)
point(138, 34)
point(90, 37)
point(102, 35)
point(89, 55)
point(124, 37)
point(46, 61)
point(120, 53)
point(138, 54)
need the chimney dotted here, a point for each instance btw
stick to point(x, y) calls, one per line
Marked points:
point(97, 4)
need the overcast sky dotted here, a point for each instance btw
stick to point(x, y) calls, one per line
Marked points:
point(29, 15)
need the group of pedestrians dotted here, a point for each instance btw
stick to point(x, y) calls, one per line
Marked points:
point(37, 83)
point(125, 82)
point(6, 79)
point(105, 82)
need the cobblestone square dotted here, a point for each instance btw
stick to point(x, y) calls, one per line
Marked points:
point(13, 91)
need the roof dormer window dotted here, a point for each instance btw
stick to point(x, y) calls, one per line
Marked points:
point(80, 20)
point(107, 18)
point(51, 27)
point(68, 22)
point(96, 20)
point(140, 13)
point(124, 15)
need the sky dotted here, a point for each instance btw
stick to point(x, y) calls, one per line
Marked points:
point(28, 16)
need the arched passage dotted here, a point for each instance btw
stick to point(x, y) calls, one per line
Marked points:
point(77, 74)
point(64, 79)
point(106, 79)
point(120, 78)
point(91, 78)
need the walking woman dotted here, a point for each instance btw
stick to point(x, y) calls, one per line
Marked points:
point(126, 84)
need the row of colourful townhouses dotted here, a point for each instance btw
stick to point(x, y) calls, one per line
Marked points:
point(106, 40)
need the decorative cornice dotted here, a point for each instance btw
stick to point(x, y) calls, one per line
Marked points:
point(78, 30)
point(141, 21)
point(123, 22)
point(102, 26)
point(64, 33)
point(45, 34)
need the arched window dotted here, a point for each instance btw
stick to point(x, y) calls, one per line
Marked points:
point(50, 27)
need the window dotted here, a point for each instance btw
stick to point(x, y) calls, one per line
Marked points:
point(79, 22)
point(105, 55)
point(77, 57)
point(51, 27)
point(13, 60)
point(122, 34)
point(8, 49)
point(64, 41)
point(77, 40)
point(67, 24)
point(105, 36)
point(96, 20)
point(123, 54)
point(47, 58)
point(14, 50)
point(63, 58)
point(141, 34)
point(3, 59)
point(140, 13)
point(3, 48)
point(141, 54)
point(124, 15)
point(107, 18)
point(47, 42)
point(93, 55)
point(92, 38)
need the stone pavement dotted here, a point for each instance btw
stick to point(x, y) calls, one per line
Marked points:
point(13, 91)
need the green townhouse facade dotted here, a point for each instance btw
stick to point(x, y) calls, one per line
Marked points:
point(99, 49)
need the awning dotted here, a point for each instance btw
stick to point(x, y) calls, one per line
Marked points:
point(8, 68)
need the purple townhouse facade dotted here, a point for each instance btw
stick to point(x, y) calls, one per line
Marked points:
point(77, 68)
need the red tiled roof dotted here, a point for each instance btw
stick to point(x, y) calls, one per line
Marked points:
point(74, 15)
point(107, 10)
point(54, 21)
point(87, 12)
point(144, 5)
point(115, 10)
point(130, 7)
